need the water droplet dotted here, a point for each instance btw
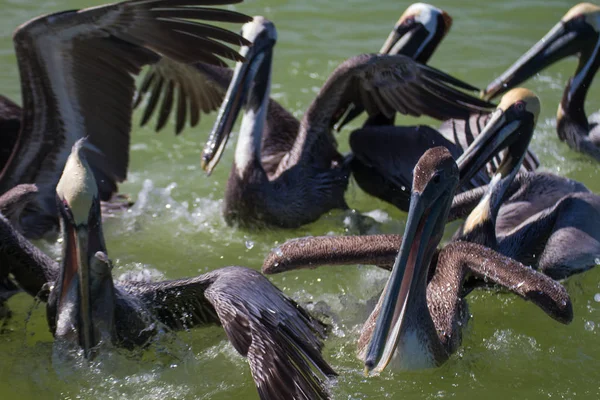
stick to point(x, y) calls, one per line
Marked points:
point(249, 244)
point(597, 297)
point(590, 326)
point(278, 252)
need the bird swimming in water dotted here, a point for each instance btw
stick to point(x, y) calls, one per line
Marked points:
point(384, 155)
point(536, 218)
point(419, 317)
point(288, 173)
point(89, 310)
point(577, 33)
point(77, 80)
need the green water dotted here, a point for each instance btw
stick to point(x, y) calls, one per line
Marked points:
point(510, 348)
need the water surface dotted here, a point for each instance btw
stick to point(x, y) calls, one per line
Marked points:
point(510, 348)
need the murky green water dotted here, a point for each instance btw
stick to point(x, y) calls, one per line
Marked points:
point(510, 350)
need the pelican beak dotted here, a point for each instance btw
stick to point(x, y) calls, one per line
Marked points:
point(562, 41)
point(85, 291)
point(253, 73)
point(498, 134)
point(426, 219)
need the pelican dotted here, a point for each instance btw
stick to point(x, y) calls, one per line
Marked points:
point(88, 309)
point(384, 155)
point(418, 319)
point(546, 221)
point(77, 80)
point(288, 173)
point(311, 176)
point(577, 33)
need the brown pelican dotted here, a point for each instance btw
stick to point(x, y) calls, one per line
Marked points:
point(77, 78)
point(311, 176)
point(538, 220)
point(577, 33)
point(86, 308)
point(419, 317)
point(384, 155)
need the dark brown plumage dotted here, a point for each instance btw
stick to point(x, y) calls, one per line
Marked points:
point(70, 65)
point(289, 174)
point(280, 339)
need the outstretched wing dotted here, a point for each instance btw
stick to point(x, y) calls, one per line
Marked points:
point(197, 88)
point(77, 71)
point(382, 84)
point(280, 339)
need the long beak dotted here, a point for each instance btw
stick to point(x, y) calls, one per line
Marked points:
point(75, 297)
point(393, 44)
point(497, 135)
point(244, 75)
point(557, 44)
point(86, 301)
point(419, 241)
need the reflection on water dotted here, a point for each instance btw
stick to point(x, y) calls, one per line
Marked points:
point(510, 349)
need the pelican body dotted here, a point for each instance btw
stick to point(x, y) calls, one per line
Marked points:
point(384, 155)
point(538, 219)
point(577, 33)
point(286, 172)
point(88, 310)
point(72, 62)
point(418, 320)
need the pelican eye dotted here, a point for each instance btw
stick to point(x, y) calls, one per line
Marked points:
point(520, 106)
point(409, 20)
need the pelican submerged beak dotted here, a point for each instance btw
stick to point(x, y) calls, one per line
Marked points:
point(85, 292)
point(429, 207)
point(568, 37)
point(253, 73)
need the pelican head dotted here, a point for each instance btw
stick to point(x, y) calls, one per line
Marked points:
point(509, 128)
point(435, 179)
point(250, 86)
point(578, 32)
point(81, 308)
point(418, 32)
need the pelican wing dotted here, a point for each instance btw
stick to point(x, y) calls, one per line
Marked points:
point(281, 341)
point(459, 258)
point(381, 84)
point(189, 89)
point(77, 71)
point(386, 84)
point(315, 251)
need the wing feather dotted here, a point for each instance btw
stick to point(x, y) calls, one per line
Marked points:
point(77, 73)
point(281, 341)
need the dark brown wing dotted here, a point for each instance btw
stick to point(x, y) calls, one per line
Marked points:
point(381, 84)
point(77, 73)
point(189, 89)
point(316, 251)
point(281, 341)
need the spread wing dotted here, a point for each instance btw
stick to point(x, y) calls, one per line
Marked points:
point(188, 89)
point(382, 84)
point(281, 340)
point(77, 70)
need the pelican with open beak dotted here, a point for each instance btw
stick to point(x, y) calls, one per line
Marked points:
point(577, 33)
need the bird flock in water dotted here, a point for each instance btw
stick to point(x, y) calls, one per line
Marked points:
point(66, 149)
